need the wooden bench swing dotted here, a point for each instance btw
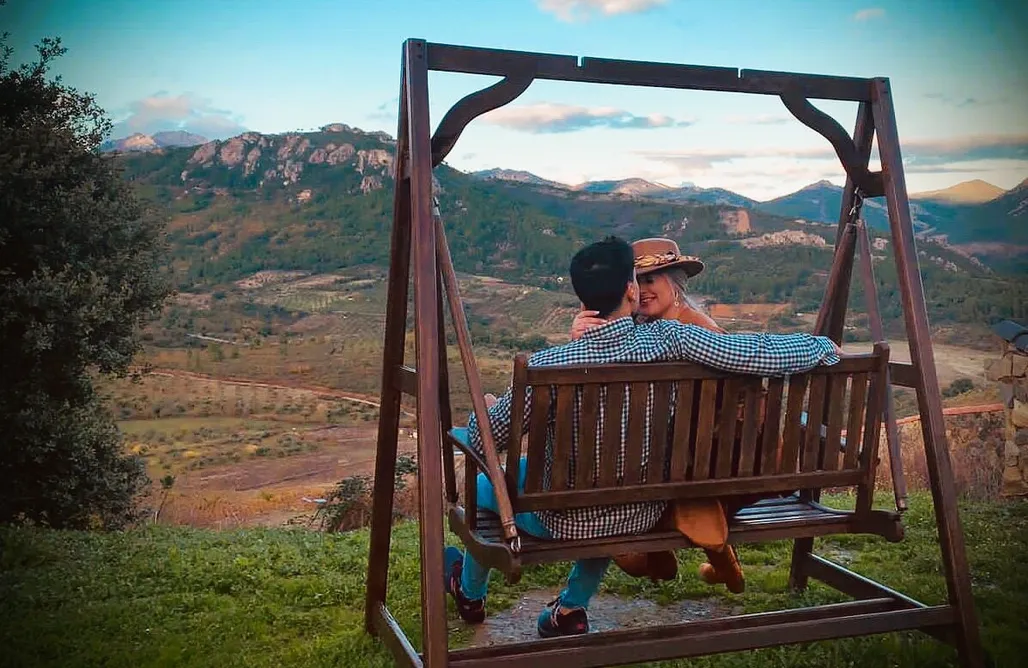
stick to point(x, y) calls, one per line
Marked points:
point(816, 430)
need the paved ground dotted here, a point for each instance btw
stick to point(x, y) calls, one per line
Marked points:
point(606, 613)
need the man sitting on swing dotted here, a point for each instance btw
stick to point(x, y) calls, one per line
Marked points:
point(603, 276)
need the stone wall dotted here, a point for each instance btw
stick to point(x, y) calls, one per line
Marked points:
point(976, 445)
point(1011, 371)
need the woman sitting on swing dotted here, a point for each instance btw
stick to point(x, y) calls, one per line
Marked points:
point(662, 272)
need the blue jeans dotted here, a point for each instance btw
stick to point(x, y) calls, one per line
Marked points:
point(585, 577)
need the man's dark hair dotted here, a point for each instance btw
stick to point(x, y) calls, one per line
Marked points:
point(601, 272)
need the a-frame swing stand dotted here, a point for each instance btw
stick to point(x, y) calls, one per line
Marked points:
point(419, 233)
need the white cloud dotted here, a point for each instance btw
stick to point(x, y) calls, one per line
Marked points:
point(920, 152)
point(763, 119)
point(574, 10)
point(186, 112)
point(707, 158)
point(869, 13)
point(546, 118)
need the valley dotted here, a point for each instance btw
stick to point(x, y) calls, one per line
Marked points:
point(259, 382)
point(258, 416)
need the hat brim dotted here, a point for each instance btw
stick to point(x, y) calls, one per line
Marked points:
point(692, 267)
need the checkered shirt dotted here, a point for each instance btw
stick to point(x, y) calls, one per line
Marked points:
point(624, 341)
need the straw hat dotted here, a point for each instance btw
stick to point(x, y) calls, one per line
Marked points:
point(659, 253)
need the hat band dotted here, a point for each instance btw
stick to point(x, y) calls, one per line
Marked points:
point(657, 259)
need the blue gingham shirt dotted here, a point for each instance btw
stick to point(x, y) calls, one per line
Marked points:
point(624, 341)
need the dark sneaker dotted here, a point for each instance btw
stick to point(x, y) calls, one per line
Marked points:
point(471, 611)
point(556, 620)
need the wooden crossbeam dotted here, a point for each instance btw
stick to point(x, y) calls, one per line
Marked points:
point(414, 234)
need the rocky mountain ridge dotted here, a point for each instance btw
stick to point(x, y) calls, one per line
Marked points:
point(326, 169)
point(321, 201)
point(968, 214)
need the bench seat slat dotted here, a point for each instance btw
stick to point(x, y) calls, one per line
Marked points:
point(753, 523)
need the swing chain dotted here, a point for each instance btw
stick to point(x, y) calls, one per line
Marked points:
point(515, 544)
point(858, 202)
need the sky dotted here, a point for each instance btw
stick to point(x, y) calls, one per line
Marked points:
point(958, 70)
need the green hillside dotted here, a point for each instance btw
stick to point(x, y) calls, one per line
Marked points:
point(322, 201)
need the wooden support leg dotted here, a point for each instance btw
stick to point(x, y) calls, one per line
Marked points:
point(445, 413)
point(933, 428)
point(831, 318)
point(426, 314)
point(798, 578)
point(392, 357)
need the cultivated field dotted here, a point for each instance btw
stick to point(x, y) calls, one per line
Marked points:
point(951, 362)
point(253, 411)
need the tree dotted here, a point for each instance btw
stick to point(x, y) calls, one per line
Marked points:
point(80, 272)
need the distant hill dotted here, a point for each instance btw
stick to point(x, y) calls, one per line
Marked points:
point(1003, 219)
point(143, 142)
point(516, 175)
point(998, 219)
point(967, 192)
point(818, 202)
point(623, 187)
point(626, 187)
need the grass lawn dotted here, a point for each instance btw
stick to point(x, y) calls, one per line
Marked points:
point(290, 597)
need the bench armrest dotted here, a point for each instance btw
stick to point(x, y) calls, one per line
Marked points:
point(458, 437)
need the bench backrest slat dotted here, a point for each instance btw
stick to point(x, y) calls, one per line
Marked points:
point(614, 433)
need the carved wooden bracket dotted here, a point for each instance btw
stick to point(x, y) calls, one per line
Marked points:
point(870, 183)
point(471, 107)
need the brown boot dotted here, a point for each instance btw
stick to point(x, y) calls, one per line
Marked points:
point(723, 567)
point(654, 565)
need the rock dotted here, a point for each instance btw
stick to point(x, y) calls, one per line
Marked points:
point(251, 160)
point(383, 137)
point(997, 369)
point(1021, 437)
point(304, 196)
point(293, 146)
point(340, 155)
point(291, 171)
point(336, 127)
point(1010, 454)
point(1018, 365)
point(318, 156)
point(204, 154)
point(1021, 391)
point(1006, 395)
point(1013, 483)
point(1019, 415)
point(375, 157)
point(370, 182)
point(231, 153)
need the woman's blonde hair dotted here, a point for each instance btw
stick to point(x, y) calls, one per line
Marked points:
point(679, 281)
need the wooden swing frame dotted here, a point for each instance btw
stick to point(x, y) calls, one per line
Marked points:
point(418, 231)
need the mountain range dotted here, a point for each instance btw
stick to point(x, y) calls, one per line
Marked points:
point(321, 201)
point(966, 213)
point(976, 215)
